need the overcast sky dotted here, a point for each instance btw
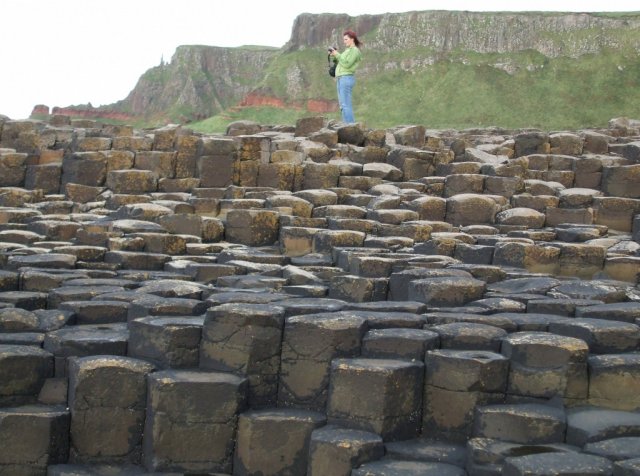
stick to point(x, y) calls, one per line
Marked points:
point(66, 52)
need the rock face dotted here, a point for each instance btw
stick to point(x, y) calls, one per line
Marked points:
point(445, 31)
point(317, 299)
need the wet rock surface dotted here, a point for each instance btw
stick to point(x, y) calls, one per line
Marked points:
point(318, 299)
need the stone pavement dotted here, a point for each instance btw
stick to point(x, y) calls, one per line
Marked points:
point(320, 299)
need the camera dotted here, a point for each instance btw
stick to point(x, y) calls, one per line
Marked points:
point(331, 48)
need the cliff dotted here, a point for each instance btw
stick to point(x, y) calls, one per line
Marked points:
point(497, 57)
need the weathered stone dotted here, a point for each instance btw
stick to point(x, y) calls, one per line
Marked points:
point(102, 339)
point(168, 342)
point(427, 450)
point(378, 395)
point(96, 312)
point(252, 227)
point(557, 464)
point(325, 240)
point(307, 125)
point(34, 437)
point(401, 467)
point(545, 365)
point(132, 181)
point(289, 433)
point(466, 370)
point(621, 311)
point(521, 216)
point(602, 336)
point(357, 288)
point(309, 344)
point(402, 344)
point(469, 336)
point(245, 339)
point(320, 175)
point(524, 423)
point(399, 280)
point(621, 181)
point(107, 399)
point(23, 370)
point(458, 184)
point(86, 168)
point(471, 209)
point(589, 424)
point(18, 320)
point(412, 136)
point(615, 449)
point(191, 420)
point(336, 451)
point(445, 291)
point(613, 381)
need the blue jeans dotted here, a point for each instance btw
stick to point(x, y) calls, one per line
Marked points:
point(345, 87)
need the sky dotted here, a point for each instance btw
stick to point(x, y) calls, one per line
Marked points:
point(69, 52)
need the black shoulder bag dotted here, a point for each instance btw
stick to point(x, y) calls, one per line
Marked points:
point(332, 67)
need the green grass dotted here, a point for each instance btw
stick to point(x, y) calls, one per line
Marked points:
point(553, 94)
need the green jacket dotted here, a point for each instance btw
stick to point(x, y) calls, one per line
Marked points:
point(348, 61)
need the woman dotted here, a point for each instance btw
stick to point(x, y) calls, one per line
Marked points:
point(347, 63)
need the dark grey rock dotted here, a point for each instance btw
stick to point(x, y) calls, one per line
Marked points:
point(23, 370)
point(524, 423)
point(469, 336)
point(107, 400)
point(390, 467)
point(566, 464)
point(422, 449)
point(602, 336)
point(289, 433)
point(83, 341)
point(34, 437)
point(378, 395)
point(168, 342)
point(191, 421)
point(245, 339)
point(615, 449)
point(309, 344)
point(336, 451)
point(403, 344)
point(586, 425)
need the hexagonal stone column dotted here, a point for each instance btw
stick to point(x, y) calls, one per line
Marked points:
point(602, 336)
point(457, 382)
point(309, 344)
point(557, 464)
point(107, 400)
point(23, 371)
point(33, 437)
point(245, 339)
point(524, 423)
point(400, 467)
point(275, 441)
point(614, 382)
point(336, 451)
point(545, 365)
point(82, 341)
point(191, 420)
point(252, 227)
point(379, 395)
point(446, 291)
point(403, 344)
point(168, 342)
point(589, 424)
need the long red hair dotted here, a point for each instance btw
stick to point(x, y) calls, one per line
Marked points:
point(352, 34)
